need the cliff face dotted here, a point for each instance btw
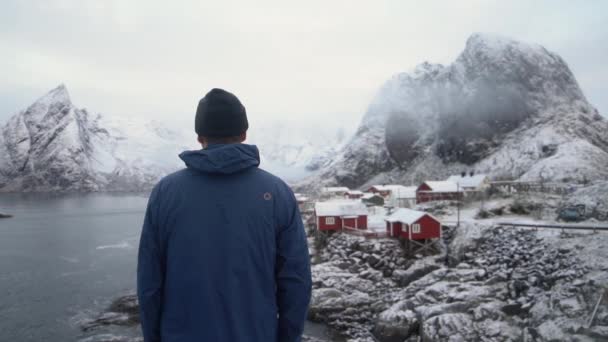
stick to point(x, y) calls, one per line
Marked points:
point(506, 108)
point(50, 144)
point(54, 146)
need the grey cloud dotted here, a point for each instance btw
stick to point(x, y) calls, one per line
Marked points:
point(305, 60)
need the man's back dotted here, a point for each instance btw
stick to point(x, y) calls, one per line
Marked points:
point(223, 254)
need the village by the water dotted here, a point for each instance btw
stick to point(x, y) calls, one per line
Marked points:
point(405, 212)
point(390, 210)
point(466, 258)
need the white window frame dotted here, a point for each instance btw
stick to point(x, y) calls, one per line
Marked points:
point(330, 220)
point(416, 228)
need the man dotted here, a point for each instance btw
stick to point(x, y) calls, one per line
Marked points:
point(223, 253)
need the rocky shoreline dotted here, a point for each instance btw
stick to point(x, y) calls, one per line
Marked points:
point(484, 284)
point(124, 312)
point(501, 285)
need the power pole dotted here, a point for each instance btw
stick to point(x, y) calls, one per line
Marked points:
point(458, 203)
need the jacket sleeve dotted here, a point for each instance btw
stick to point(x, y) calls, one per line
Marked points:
point(150, 272)
point(293, 277)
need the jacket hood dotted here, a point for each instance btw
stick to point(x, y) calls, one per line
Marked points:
point(223, 159)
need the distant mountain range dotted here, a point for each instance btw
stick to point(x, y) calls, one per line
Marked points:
point(509, 109)
point(506, 108)
point(55, 146)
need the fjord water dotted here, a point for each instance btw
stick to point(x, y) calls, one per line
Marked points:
point(63, 259)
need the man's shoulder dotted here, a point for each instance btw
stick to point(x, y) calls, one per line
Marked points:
point(263, 174)
point(172, 178)
point(258, 173)
point(183, 176)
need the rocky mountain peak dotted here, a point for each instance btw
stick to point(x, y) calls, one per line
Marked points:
point(490, 43)
point(478, 112)
point(48, 109)
point(54, 146)
point(57, 95)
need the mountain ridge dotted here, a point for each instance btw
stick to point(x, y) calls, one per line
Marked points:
point(476, 113)
point(54, 146)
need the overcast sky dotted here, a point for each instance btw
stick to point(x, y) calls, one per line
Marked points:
point(298, 60)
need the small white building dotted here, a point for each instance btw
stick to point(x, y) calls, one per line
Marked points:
point(470, 181)
point(403, 197)
point(334, 191)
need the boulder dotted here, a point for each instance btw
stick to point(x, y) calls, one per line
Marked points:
point(450, 326)
point(600, 332)
point(405, 277)
point(513, 309)
point(396, 324)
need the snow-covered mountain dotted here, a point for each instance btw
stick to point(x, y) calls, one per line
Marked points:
point(506, 108)
point(55, 146)
point(295, 149)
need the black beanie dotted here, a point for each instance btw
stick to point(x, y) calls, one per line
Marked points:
point(220, 114)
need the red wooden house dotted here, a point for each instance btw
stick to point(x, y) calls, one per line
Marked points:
point(338, 215)
point(438, 191)
point(413, 225)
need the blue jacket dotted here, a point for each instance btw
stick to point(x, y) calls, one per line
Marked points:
point(223, 253)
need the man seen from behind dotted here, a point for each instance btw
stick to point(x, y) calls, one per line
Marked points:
point(223, 255)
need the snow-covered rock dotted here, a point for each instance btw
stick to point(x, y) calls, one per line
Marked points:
point(595, 199)
point(505, 108)
point(450, 327)
point(396, 324)
point(499, 285)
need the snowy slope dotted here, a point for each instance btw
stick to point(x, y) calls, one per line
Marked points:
point(54, 146)
point(295, 149)
point(506, 108)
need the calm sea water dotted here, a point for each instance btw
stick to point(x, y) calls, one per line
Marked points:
point(64, 258)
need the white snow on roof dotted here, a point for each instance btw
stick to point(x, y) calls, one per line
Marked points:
point(388, 187)
point(355, 192)
point(302, 198)
point(407, 216)
point(335, 189)
point(442, 186)
point(468, 181)
point(340, 208)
